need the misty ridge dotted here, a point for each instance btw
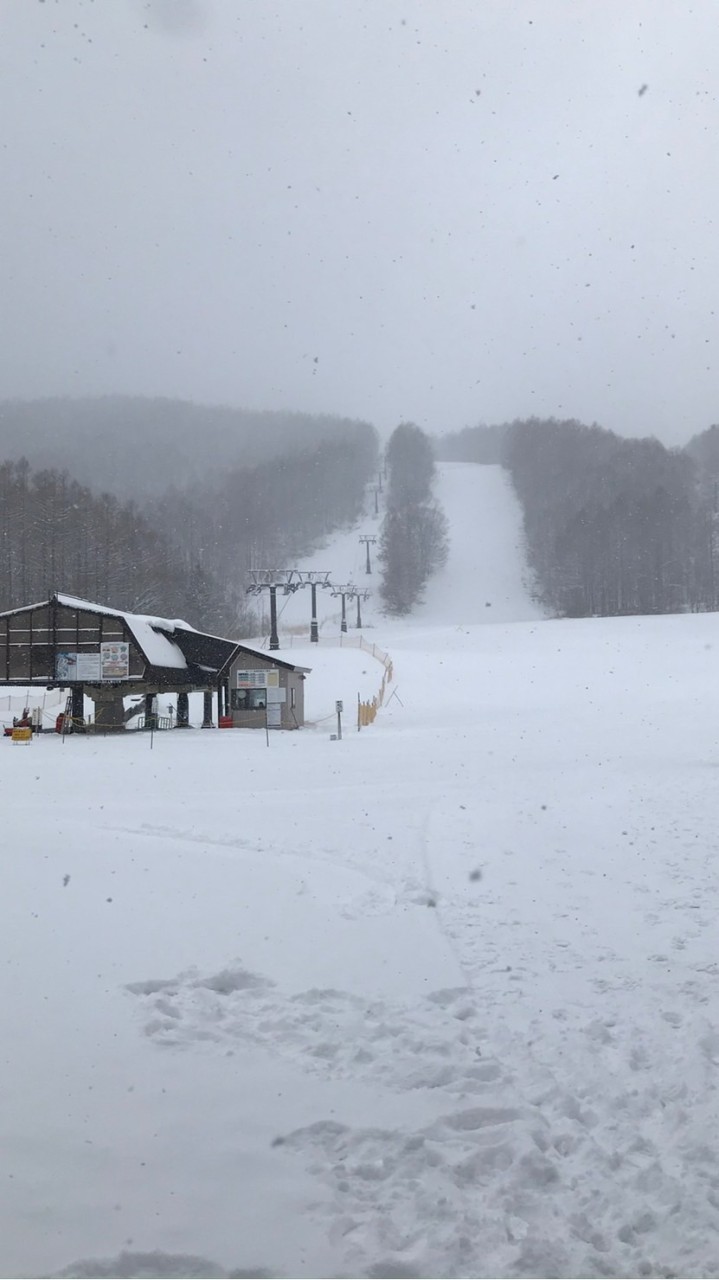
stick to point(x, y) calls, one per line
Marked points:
point(163, 506)
point(135, 446)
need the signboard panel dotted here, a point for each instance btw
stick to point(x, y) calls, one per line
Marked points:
point(88, 666)
point(257, 678)
point(114, 660)
point(66, 666)
point(111, 663)
point(275, 696)
point(253, 679)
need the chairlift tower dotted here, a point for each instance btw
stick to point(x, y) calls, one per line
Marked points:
point(362, 594)
point(368, 539)
point(343, 592)
point(354, 593)
point(269, 580)
point(312, 578)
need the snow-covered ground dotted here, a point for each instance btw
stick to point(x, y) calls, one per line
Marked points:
point(485, 579)
point(439, 999)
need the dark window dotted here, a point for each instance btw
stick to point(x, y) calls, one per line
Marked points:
point(248, 699)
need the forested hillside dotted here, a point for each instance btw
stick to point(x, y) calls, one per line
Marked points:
point(613, 525)
point(265, 516)
point(134, 446)
point(55, 534)
point(185, 553)
point(473, 444)
point(413, 540)
point(703, 449)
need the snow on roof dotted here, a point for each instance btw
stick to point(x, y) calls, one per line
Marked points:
point(146, 629)
point(272, 655)
point(154, 636)
point(157, 648)
point(167, 624)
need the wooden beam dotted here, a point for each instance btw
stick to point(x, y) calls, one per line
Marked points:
point(53, 615)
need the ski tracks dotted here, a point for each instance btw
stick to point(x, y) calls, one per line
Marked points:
point(628, 1100)
point(426, 1199)
point(557, 1142)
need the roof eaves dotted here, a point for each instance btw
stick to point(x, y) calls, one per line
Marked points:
point(25, 608)
point(258, 653)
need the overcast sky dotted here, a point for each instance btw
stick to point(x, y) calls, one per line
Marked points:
point(449, 211)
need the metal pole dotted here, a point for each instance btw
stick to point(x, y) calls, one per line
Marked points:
point(369, 566)
point(343, 625)
point(274, 638)
point(359, 615)
point(339, 721)
point(376, 502)
point(314, 632)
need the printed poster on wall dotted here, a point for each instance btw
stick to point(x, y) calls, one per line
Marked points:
point(66, 666)
point(111, 663)
point(88, 666)
point(115, 660)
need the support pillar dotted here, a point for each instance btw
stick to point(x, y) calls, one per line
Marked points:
point(207, 710)
point(314, 630)
point(274, 638)
point(183, 710)
point(359, 614)
point(109, 710)
point(78, 707)
point(343, 624)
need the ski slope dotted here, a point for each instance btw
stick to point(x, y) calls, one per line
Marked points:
point(439, 999)
point(485, 579)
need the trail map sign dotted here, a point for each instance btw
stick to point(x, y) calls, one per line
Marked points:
point(111, 663)
point(66, 666)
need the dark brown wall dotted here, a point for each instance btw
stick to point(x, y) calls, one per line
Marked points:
point(30, 639)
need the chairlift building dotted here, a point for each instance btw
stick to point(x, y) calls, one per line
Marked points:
point(262, 688)
point(110, 654)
